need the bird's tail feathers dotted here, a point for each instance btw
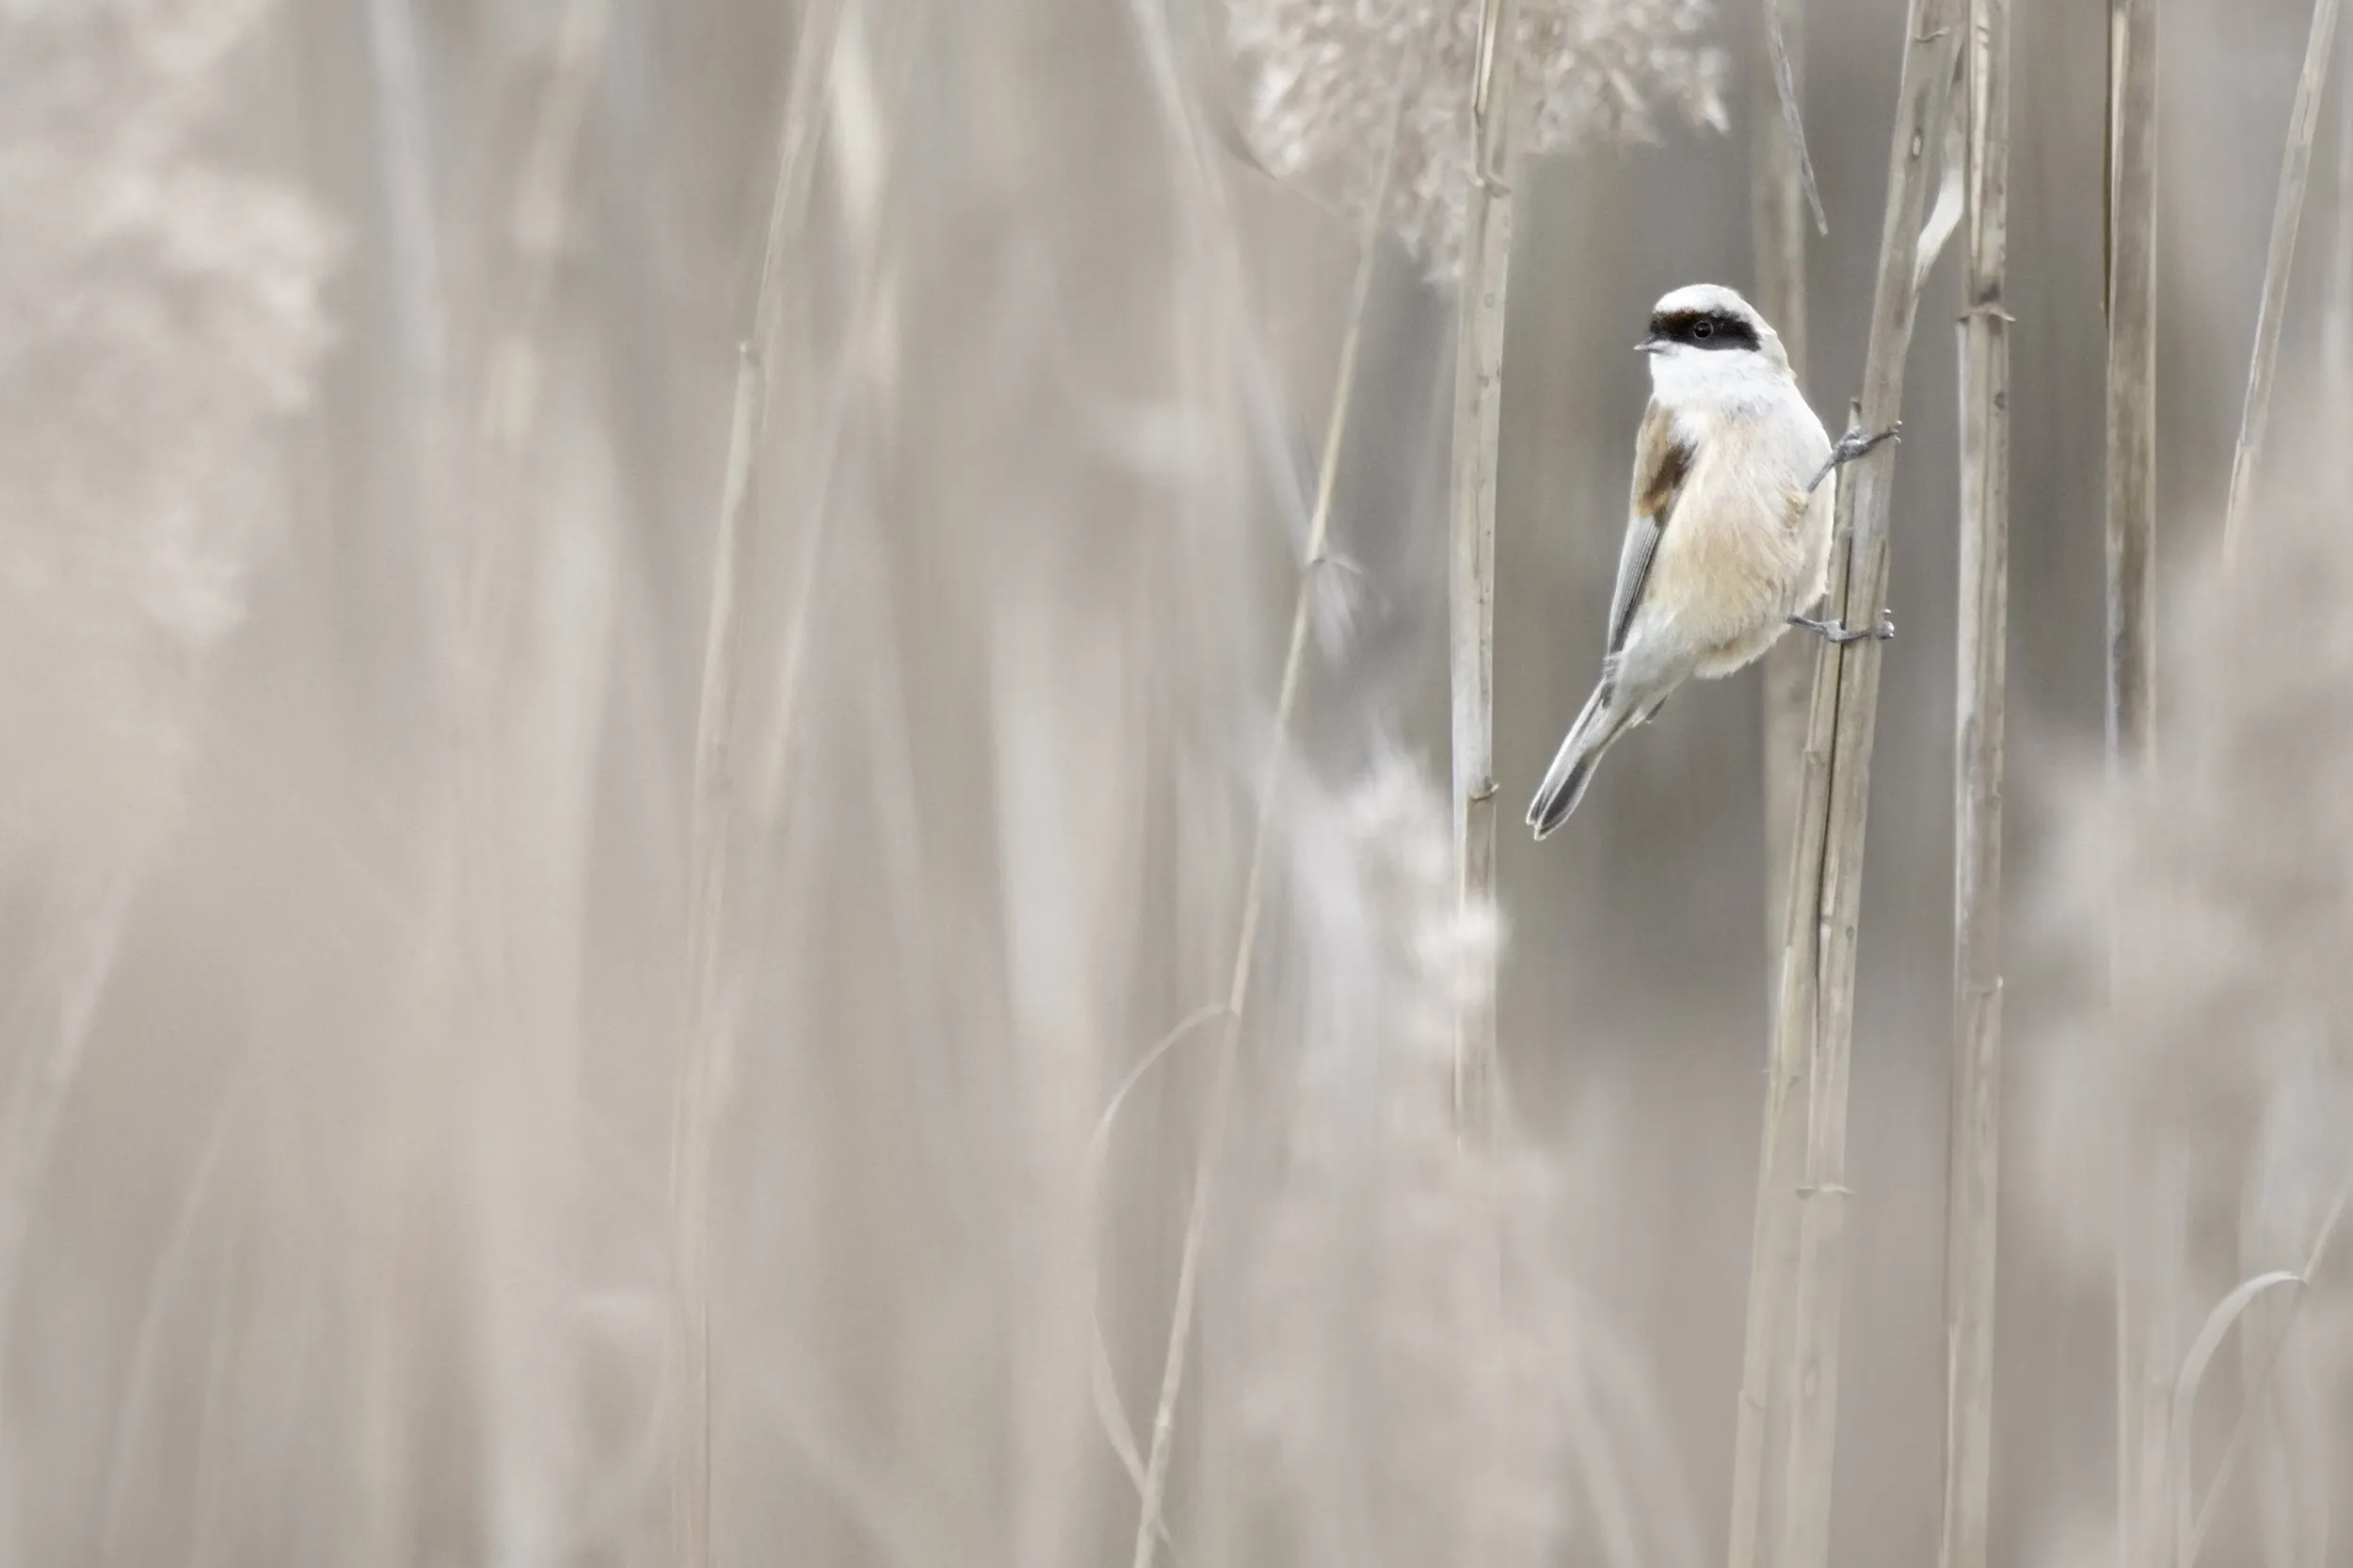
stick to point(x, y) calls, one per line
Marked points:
point(1604, 720)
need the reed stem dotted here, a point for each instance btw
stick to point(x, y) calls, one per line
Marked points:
point(1973, 1135)
point(2143, 1358)
point(1817, 1021)
point(1777, 226)
point(1471, 581)
point(695, 1108)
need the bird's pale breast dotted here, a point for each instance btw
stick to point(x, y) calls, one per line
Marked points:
point(1738, 556)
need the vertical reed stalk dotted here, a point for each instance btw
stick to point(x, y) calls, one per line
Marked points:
point(2337, 320)
point(1760, 1434)
point(1781, 188)
point(1477, 405)
point(694, 1108)
point(523, 699)
point(1777, 211)
point(1973, 1135)
point(2131, 291)
point(2142, 1352)
point(381, 1536)
point(1829, 864)
point(2287, 215)
point(2254, 418)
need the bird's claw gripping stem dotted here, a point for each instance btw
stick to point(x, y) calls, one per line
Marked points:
point(1838, 631)
point(1853, 445)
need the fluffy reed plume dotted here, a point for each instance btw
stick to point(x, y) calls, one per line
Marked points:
point(155, 310)
point(1326, 75)
point(2228, 875)
point(2205, 1080)
point(1409, 1411)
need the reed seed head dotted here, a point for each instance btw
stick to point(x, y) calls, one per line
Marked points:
point(1327, 79)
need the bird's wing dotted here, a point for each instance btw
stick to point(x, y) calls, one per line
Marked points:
point(1662, 463)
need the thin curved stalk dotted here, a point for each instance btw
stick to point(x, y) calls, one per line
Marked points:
point(2287, 215)
point(695, 1109)
point(2192, 1538)
point(2183, 1420)
point(1110, 1412)
point(1778, 27)
point(1153, 1484)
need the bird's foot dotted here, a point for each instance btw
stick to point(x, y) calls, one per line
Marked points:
point(1838, 631)
point(1854, 443)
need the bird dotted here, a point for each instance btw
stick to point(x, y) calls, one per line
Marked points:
point(1728, 529)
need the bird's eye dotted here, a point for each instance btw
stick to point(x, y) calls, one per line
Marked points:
point(1703, 330)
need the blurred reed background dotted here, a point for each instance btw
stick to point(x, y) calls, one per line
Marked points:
point(610, 936)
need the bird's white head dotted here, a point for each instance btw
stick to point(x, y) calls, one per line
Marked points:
point(1709, 344)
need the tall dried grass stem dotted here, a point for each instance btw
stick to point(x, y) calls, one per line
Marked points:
point(2143, 1354)
point(1771, 1408)
point(2337, 319)
point(1974, 1128)
point(1779, 178)
point(694, 1113)
point(1845, 704)
point(1471, 525)
point(1782, 189)
point(1777, 49)
point(1153, 1483)
point(2131, 263)
point(1761, 1423)
point(2287, 215)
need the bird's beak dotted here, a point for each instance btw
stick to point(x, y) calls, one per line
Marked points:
point(1651, 346)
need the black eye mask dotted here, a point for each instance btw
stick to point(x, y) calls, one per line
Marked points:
point(1703, 330)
